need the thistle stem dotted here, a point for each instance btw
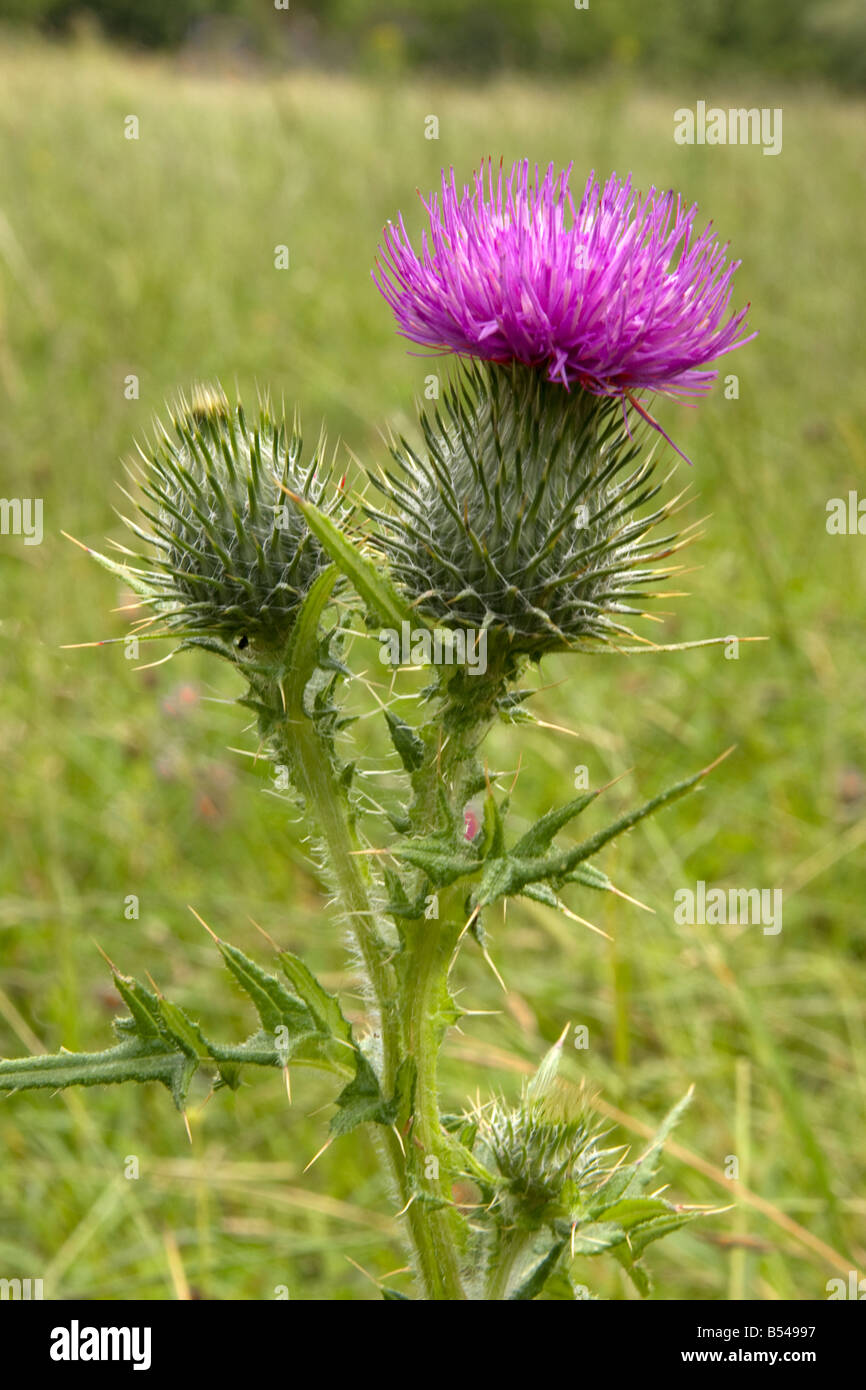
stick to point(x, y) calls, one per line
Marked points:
point(428, 1005)
point(322, 795)
point(505, 1255)
point(432, 1243)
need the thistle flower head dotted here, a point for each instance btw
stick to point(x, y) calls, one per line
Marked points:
point(228, 555)
point(524, 515)
point(618, 295)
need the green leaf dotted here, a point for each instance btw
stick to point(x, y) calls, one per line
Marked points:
point(361, 1102)
point(596, 1237)
point(660, 1226)
point(209, 644)
point(399, 903)
point(367, 578)
point(128, 1061)
point(407, 743)
point(160, 1042)
point(493, 843)
point(303, 648)
point(539, 838)
point(324, 1007)
point(442, 866)
point(535, 1281)
point(274, 1005)
point(635, 1271)
point(646, 1167)
point(634, 1210)
point(526, 868)
point(129, 576)
point(142, 1003)
point(567, 860)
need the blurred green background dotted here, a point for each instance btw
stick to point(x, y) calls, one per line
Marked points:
point(155, 258)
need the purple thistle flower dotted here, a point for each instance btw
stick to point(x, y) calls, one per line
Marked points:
point(617, 297)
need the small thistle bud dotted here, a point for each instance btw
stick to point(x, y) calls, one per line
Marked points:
point(229, 554)
point(542, 1153)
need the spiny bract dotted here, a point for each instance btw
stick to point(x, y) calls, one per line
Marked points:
point(521, 514)
point(232, 557)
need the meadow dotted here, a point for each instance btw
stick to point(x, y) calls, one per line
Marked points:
point(154, 258)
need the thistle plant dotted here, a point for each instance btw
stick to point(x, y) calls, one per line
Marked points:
point(528, 518)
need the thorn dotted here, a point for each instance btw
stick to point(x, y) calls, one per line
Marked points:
point(186, 1123)
point(486, 954)
point(399, 1140)
point(582, 920)
point(288, 1082)
point(516, 773)
point(204, 924)
point(148, 666)
point(327, 1144)
point(476, 911)
point(404, 1210)
point(720, 759)
point(265, 934)
point(557, 728)
point(629, 899)
point(110, 962)
point(80, 544)
point(367, 1275)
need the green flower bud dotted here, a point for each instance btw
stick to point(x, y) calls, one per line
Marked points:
point(229, 556)
point(525, 514)
point(541, 1156)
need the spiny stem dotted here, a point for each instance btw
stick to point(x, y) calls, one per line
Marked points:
point(434, 1249)
point(503, 1258)
point(326, 804)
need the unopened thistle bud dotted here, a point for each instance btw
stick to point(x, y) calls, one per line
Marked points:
point(521, 516)
point(229, 556)
point(541, 1154)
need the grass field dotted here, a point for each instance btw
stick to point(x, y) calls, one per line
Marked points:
point(155, 257)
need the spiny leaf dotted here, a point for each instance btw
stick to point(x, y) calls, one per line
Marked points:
point(517, 870)
point(635, 1271)
point(633, 1211)
point(442, 866)
point(567, 860)
point(324, 1007)
point(660, 1226)
point(646, 1166)
point(407, 743)
point(303, 648)
point(160, 1042)
point(361, 1101)
point(535, 1281)
point(274, 1005)
point(539, 838)
point(596, 1237)
point(128, 1061)
point(368, 579)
